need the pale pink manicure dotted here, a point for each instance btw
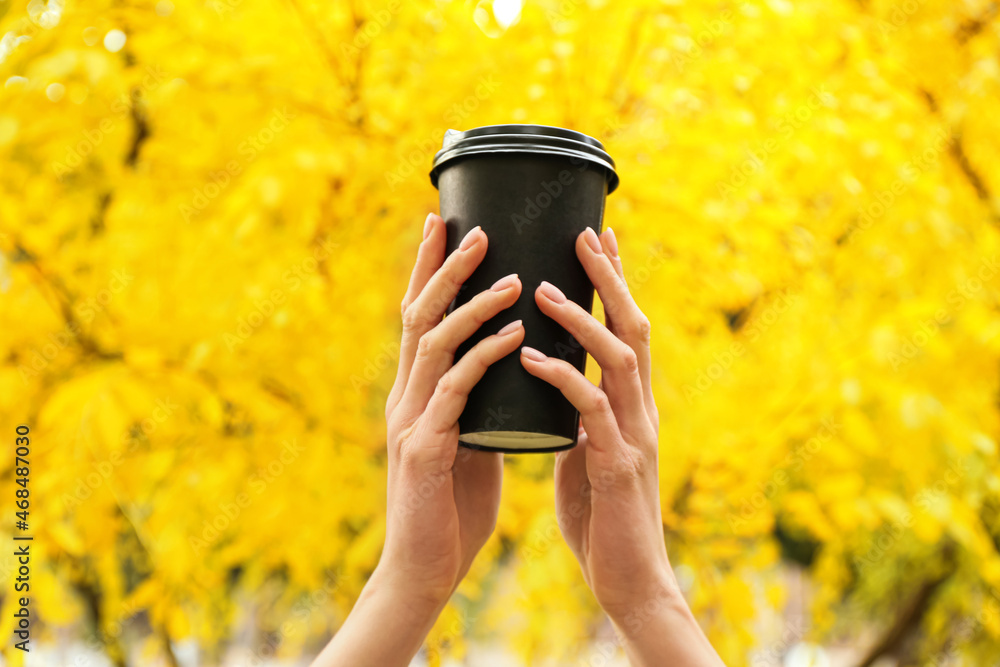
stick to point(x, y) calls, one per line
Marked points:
point(591, 237)
point(609, 235)
point(505, 283)
point(552, 292)
point(533, 354)
point(510, 328)
point(469, 239)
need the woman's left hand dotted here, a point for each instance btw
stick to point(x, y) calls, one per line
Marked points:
point(442, 500)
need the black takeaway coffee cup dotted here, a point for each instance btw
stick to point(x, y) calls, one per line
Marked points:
point(533, 189)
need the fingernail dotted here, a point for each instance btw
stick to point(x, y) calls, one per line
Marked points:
point(505, 283)
point(592, 240)
point(428, 225)
point(553, 292)
point(612, 242)
point(469, 239)
point(510, 328)
point(533, 354)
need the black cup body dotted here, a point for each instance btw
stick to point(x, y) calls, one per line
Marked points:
point(532, 207)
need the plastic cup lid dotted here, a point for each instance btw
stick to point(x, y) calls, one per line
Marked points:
point(518, 138)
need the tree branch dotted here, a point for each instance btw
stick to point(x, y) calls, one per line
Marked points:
point(973, 27)
point(909, 619)
point(957, 150)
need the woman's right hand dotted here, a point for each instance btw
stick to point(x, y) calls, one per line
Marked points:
point(607, 487)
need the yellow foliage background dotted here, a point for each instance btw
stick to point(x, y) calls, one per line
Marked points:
point(206, 233)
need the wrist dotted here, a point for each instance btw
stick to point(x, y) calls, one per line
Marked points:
point(385, 628)
point(390, 584)
point(661, 629)
point(661, 599)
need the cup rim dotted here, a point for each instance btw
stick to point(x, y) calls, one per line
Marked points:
point(523, 138)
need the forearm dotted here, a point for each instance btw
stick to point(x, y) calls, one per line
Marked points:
point(384, 629)
point(661, 630)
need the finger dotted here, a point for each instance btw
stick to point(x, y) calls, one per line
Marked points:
point(592, 403)
point(430, 256)
point(436, 348)
point(629, 322)
point(452, 391)
point(429, 306)
point(619, 362)
point(609, 242)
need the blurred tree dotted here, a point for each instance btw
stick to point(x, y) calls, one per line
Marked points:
point(208, 211)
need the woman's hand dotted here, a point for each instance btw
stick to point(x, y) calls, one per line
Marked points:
point(442, 502)
point(607, 487)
